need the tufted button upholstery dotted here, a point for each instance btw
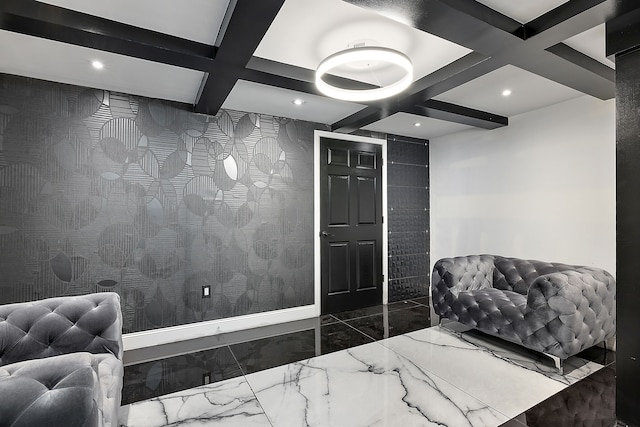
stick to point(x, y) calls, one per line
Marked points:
point(61, 361)
point(63, 325)
point(29, 387)
point(548, 307)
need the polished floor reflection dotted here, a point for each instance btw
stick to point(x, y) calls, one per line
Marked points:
point(383, 365)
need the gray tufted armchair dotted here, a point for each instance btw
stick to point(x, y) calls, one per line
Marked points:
point(61, 361)
point(552, 308)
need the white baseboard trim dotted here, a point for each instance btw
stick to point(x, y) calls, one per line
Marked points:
point(136, 340)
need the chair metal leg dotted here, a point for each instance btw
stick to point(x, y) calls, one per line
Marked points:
point(557, 361)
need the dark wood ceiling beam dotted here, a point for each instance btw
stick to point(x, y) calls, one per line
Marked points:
point(558, 69)
point(458, 114)
point(278, 68)
point(364, 117)
point(584, 61)
point(250, 21)
point(572, 15)
point(623, 33)
point(431, 108)
point(466, 23)
point(487, 30)
point(458, 72)
point(465, 69)
point(275, 68)
point(43, 20)
point(276, 80)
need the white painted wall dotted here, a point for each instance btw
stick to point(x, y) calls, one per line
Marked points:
point(542, 188)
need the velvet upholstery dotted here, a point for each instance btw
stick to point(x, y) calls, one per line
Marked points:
point(553, 308)
point(61, 361)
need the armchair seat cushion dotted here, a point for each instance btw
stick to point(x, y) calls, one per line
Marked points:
point(500, 312)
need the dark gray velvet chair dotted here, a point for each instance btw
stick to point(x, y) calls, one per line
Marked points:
point(552, 308)
point(61, 361)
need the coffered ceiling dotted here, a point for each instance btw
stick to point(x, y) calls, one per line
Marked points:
point(258, 56)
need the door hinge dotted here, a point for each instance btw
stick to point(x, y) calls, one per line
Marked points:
point(382, 219)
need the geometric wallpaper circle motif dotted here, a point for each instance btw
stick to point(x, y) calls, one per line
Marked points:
point(105, 191)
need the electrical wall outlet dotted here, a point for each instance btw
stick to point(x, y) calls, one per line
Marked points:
point(206, 378)
point(206, 291)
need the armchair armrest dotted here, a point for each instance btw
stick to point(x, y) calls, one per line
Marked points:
point(463, 273)
point(454, 275)
point(577, 306)
point(50, 327)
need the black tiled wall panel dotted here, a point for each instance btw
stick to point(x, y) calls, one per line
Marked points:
point(411, 153)
point(407, 175)
point(408, 243)
point(408, 265)
point(403, 220)
point(408, 197)
point(408, 212)
point(409, 287)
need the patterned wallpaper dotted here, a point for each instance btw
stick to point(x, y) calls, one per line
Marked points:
point(104, 191)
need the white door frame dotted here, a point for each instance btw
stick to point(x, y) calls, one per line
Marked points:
point(316, 211)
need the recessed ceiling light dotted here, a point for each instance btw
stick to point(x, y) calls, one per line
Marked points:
point(417, 124)
point(298, 101)
point(97, 65)
point(506, 92)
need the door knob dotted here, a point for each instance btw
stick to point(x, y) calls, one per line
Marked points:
point(325, 234)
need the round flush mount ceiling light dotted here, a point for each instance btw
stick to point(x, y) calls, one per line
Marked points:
point(359, 55)
point(97, 65)
point(506, 92)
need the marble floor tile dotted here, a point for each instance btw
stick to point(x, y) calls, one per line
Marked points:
point(503, 385)
point(574, 368)
point(266, 353)
point(164, 351)
point(326, 319)
point(589, 402)
point(227, 403)
point(599, 355)
point(422, 301)
point(150, 379)
point(336, 375)
point(373, 310)
point(340, 336)
point(368, 385)
point(394, 323)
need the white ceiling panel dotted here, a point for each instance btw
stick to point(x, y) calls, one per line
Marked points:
point(60, 62)
point(592, 43)
point(259, 98)
point(528, 92)
point(523, 11)
point(404, 124)
point(197, 20)
point(304, 33)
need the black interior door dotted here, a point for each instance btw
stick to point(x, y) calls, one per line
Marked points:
point(350, 224)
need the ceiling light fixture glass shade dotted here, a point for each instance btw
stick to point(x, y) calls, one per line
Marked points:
point(360, 54)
